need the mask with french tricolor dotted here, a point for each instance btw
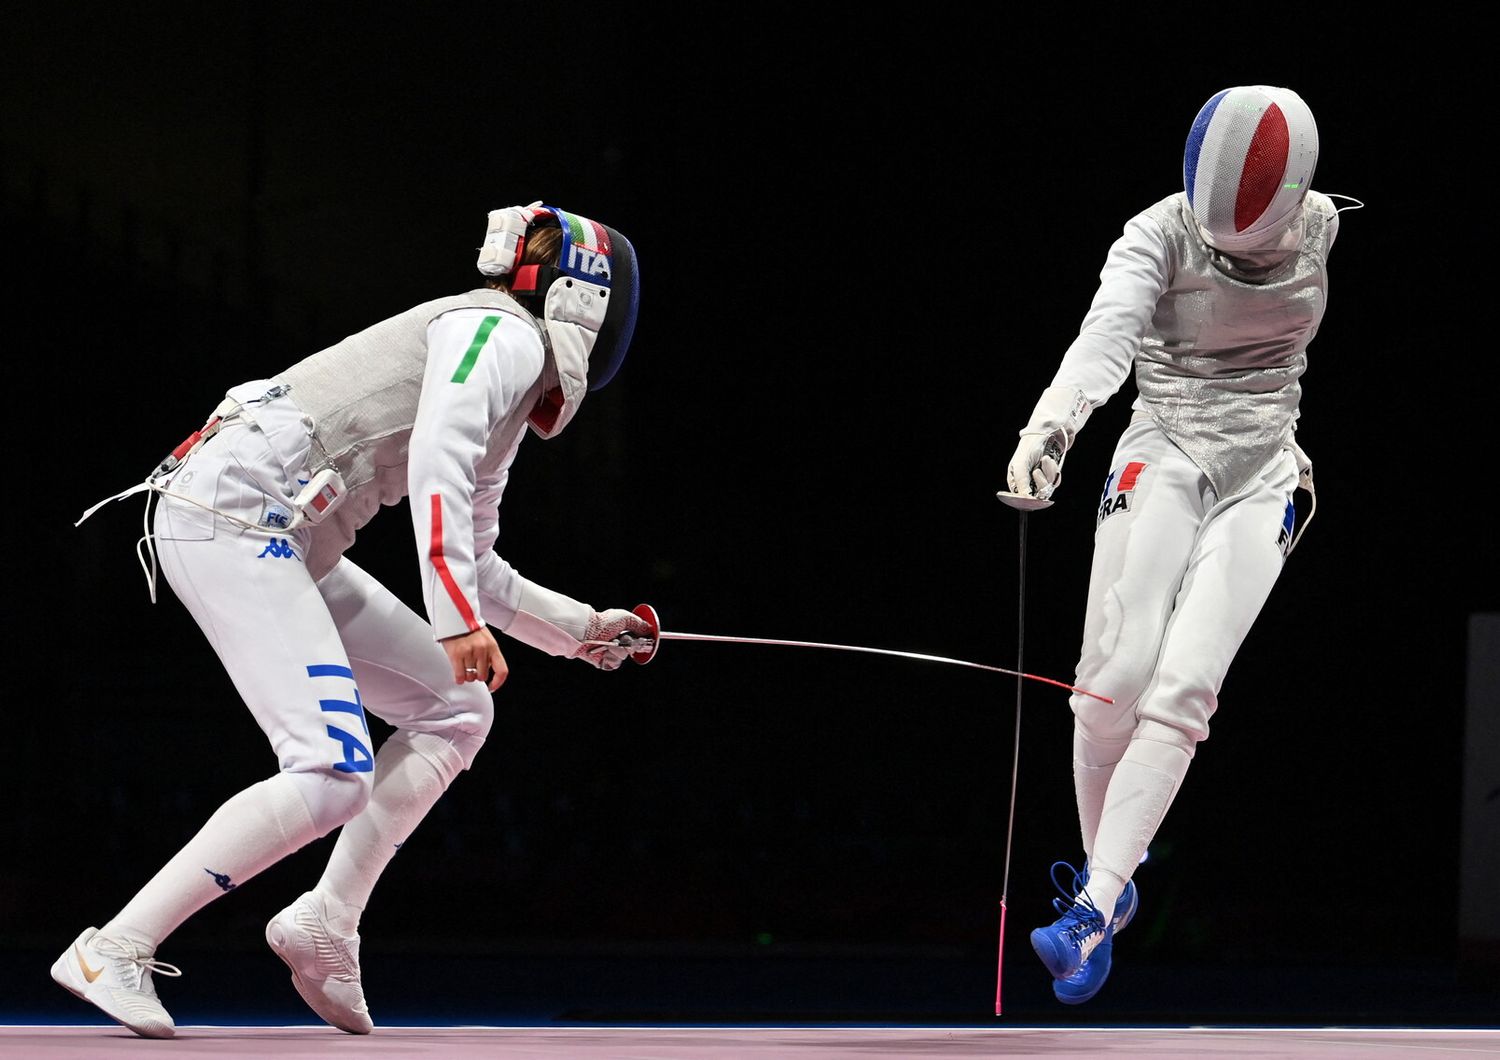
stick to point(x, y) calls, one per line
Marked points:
point(1249, 161)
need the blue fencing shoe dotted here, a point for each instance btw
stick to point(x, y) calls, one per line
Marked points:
point(1066, 943)
point(1085, 983)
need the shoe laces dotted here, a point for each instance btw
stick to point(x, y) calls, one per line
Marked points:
point(118, 950)
point(1075, 905)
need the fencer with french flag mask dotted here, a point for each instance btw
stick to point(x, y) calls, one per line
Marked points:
point(1210, 298)
point(254, 514)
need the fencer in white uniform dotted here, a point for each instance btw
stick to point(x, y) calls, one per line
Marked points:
point(1210, 297)
point(253, 516)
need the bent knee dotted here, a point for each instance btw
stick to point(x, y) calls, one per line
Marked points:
point(1103, 723)
point(333, 796)
point(447, 752)
point(1120, 680)
point(469, 712)
point(1185, 736)
point(474, 709)
point(1179, 707)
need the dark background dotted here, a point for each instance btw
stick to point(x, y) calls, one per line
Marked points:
point(865, 241)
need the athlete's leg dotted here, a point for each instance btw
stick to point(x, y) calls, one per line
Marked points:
point(1152, 505)
point(407, 680)
point(254, 600)
point(1153, 502)
point(252, 596)
point(1236, 561)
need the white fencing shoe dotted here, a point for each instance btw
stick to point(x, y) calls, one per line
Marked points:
point(115, 976)
point(325, 965)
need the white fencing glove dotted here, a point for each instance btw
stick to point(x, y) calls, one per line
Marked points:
point(1035, 469)
point(605, 628)
point(562, 626)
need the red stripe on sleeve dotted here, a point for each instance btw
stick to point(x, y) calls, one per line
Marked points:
point(1127, 478)
point(435, 553)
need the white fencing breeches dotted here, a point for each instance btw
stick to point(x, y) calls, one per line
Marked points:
point(1179, 575)
point(309, 658)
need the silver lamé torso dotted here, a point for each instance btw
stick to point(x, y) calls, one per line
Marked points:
point(1219, 366)
point(360, 398)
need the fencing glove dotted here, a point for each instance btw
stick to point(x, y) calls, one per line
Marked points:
point(560, 625)
point(1035, 469)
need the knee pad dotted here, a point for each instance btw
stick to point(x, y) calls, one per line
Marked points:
point(332, 797)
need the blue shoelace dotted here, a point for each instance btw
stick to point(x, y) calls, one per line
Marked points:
point(1075, 905)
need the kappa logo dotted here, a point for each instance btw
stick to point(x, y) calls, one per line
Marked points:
point(280, 548)
point(1288, 524)
point(1118, 490)
point(222, 879)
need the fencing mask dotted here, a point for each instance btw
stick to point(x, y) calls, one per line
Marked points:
point(1249, 161)
point(586, 303)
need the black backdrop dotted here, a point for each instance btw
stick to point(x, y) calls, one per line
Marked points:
point(864, 243)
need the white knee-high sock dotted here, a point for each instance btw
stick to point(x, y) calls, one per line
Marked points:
point(412, 770)
point(1094, 764)
point(1140, 792)
point(249, 833)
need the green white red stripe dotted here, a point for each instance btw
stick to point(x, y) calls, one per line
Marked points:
point(584, 232)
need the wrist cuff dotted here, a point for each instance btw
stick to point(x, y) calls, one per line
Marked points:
point(549, 621)
point(1062, 410)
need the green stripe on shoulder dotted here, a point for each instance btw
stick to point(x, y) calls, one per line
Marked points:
point(466, 365)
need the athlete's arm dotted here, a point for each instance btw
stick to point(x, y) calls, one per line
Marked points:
point(1136, 272)
point(479, 366)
